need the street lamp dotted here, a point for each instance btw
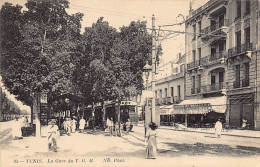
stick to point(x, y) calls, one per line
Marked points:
point(146, 71)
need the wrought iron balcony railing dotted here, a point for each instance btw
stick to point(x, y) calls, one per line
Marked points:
point(239, 49)
point(214, 27)
point(214, 87)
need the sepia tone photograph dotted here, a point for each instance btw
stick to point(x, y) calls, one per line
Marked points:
point(129, 83)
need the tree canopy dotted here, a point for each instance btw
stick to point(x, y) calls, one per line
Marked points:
point(42, 49)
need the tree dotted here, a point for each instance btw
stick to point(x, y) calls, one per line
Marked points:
point(39, 57)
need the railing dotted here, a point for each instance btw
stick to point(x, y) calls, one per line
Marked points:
point(237, 18)
point(213, 59)
point(218, 25)
point(214, 27)
point(236, 84)
point(163, 100)
point(245, 82)
point(192, 90)
point(214, 87)
point(193, 65)
point(240, 49)
point(169, 99)
point(177, 98)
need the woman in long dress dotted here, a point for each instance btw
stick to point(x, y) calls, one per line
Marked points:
point(218, 128)
point(151, 149)
point(82, 124)
point(73, 125)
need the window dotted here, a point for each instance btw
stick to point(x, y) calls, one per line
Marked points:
point(179, 91)
point(194, 31)
point(193, 85)
point(165, 91)
point(199, 83)
point(245, 81)
point(221, 20)
point(237, 77)
point(199, 25)
point(172, 92)
point(238, 9)
point(213, 53)
point(194, 56)
point(221, 77)
point(156, 94)
point(247, 36)
point(247, 11)
point(238, 41)
point(160, 93)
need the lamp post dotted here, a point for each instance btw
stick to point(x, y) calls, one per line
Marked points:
point(146, 70)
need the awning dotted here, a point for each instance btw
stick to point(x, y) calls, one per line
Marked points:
point(201, 106)
point(166, 110)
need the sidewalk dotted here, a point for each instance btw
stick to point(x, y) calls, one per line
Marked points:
point(232, 132)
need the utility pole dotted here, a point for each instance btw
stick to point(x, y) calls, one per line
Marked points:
point(153, 69)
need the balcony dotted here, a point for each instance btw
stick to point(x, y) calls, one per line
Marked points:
point(163, 101)
point(213, 87)
point(245, 82)
point(213, 29)
point(170, 100)
point(236, 84)
point(240, 49)
point(177, 99)
point(216, 58)
point(193, 65)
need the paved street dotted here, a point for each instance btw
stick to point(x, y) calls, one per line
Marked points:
point(175, 148)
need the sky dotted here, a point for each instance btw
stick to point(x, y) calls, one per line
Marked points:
point(120, 13)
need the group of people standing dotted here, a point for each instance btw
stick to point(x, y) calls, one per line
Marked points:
point(70, 125)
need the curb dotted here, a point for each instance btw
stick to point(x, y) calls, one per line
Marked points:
point(224, 134)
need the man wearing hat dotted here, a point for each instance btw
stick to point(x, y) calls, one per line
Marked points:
point(53, 134)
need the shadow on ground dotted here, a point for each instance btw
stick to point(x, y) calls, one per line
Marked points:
point(177, 149)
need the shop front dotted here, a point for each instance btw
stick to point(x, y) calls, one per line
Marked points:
point(200, 112)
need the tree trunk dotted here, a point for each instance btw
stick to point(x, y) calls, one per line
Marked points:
point(36, 111)
point(119, 116)
point(104, 115)
point(1, 107)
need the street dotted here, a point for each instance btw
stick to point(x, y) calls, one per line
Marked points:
point(175, 148)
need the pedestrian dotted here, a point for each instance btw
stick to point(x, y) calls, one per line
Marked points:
point(118, 130)
point(68, 126)
point(151, 149)
point(17, 129)
point(110, 126)
point(82, 124)
point(53, 134)
point(244, 121)
point(128, 126)
point(218, 128)
point(73, 125)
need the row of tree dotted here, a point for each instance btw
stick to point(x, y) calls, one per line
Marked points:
point(43, 49)
point(8, 109)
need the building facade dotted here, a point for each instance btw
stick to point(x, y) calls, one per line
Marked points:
point(169, 87)
point(222, 56)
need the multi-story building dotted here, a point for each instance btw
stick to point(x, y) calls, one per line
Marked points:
point(223, 63)
point(169, 87)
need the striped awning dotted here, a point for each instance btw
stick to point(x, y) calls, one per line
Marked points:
point(201, 106)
